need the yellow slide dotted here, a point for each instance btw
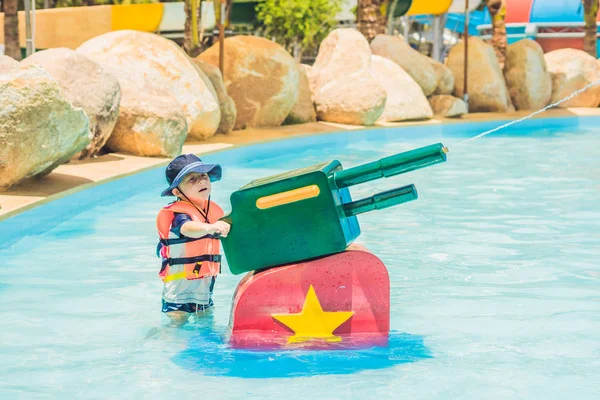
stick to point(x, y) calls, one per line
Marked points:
point(70, 27)
point(435, 7)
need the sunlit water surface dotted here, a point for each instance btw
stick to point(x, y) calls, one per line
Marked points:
point(494, 271)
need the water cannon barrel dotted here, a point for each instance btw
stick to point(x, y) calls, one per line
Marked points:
point(381, 200)
point(392, 165)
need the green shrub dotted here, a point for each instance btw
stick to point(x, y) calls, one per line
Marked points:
point(298, 25)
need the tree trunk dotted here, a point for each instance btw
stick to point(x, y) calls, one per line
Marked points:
point(11, 30)
point(297, 51)
point(590, 11)
point(370, 21)
point(87, 2)
point(497, 9)
point(191, 37)
point(389, 17)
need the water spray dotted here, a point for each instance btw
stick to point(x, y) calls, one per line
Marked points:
point(572, 95)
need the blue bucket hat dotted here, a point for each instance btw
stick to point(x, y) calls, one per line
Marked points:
point(183, 165)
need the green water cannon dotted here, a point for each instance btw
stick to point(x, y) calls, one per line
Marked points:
point(309, 212)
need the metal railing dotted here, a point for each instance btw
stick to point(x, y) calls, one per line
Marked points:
point(537, 30)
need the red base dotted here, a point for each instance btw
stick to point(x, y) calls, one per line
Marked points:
point(354, 280)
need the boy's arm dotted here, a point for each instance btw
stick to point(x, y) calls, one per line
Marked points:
point(184, 226)
point(196, 229)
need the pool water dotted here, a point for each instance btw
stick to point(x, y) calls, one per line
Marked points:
point(495, 280)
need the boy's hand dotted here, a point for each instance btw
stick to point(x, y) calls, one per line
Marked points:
point(221, 228)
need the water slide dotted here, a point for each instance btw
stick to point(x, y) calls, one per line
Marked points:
point(70, 27)
point(413, 7)
point(430, 7)
point(554, 24)
point(454, 16)
point(458, 6)
point(439, 13)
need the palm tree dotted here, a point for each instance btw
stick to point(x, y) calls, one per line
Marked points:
point(11, 29)
point(191, 34)
point(590, 10)
point(222, 14)
point(370, 20)
point(49, 4)
point(497, 9)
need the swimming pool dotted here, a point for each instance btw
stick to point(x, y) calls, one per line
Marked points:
point(494, 273)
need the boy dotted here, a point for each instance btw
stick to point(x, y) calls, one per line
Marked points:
point(189, 229)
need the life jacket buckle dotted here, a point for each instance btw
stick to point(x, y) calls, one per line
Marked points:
point(196, 270)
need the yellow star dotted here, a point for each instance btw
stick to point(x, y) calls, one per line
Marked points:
point(312, 322)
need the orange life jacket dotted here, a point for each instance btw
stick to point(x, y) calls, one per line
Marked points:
point(188, 258)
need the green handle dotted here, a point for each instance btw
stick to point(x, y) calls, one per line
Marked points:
point(392, 165)
point(381, 200)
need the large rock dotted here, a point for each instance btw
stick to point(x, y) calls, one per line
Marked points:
point(39, 128)
point(445, 78)
point(226, 103)
point(487, 89)
point(527, 77)
point(131, 54)
point(8, 64)
point(432, 76)
point(260, 76)
point(405, 99)
point(87, 85)
point(447, 106)
point(572, 70)
point(312, 79)
point(304, 109)
point(345, 89)
point(151, 121)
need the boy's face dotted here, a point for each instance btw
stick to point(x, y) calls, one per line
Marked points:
point(195, 186)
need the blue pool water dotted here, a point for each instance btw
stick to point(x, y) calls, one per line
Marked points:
point(495, 280)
